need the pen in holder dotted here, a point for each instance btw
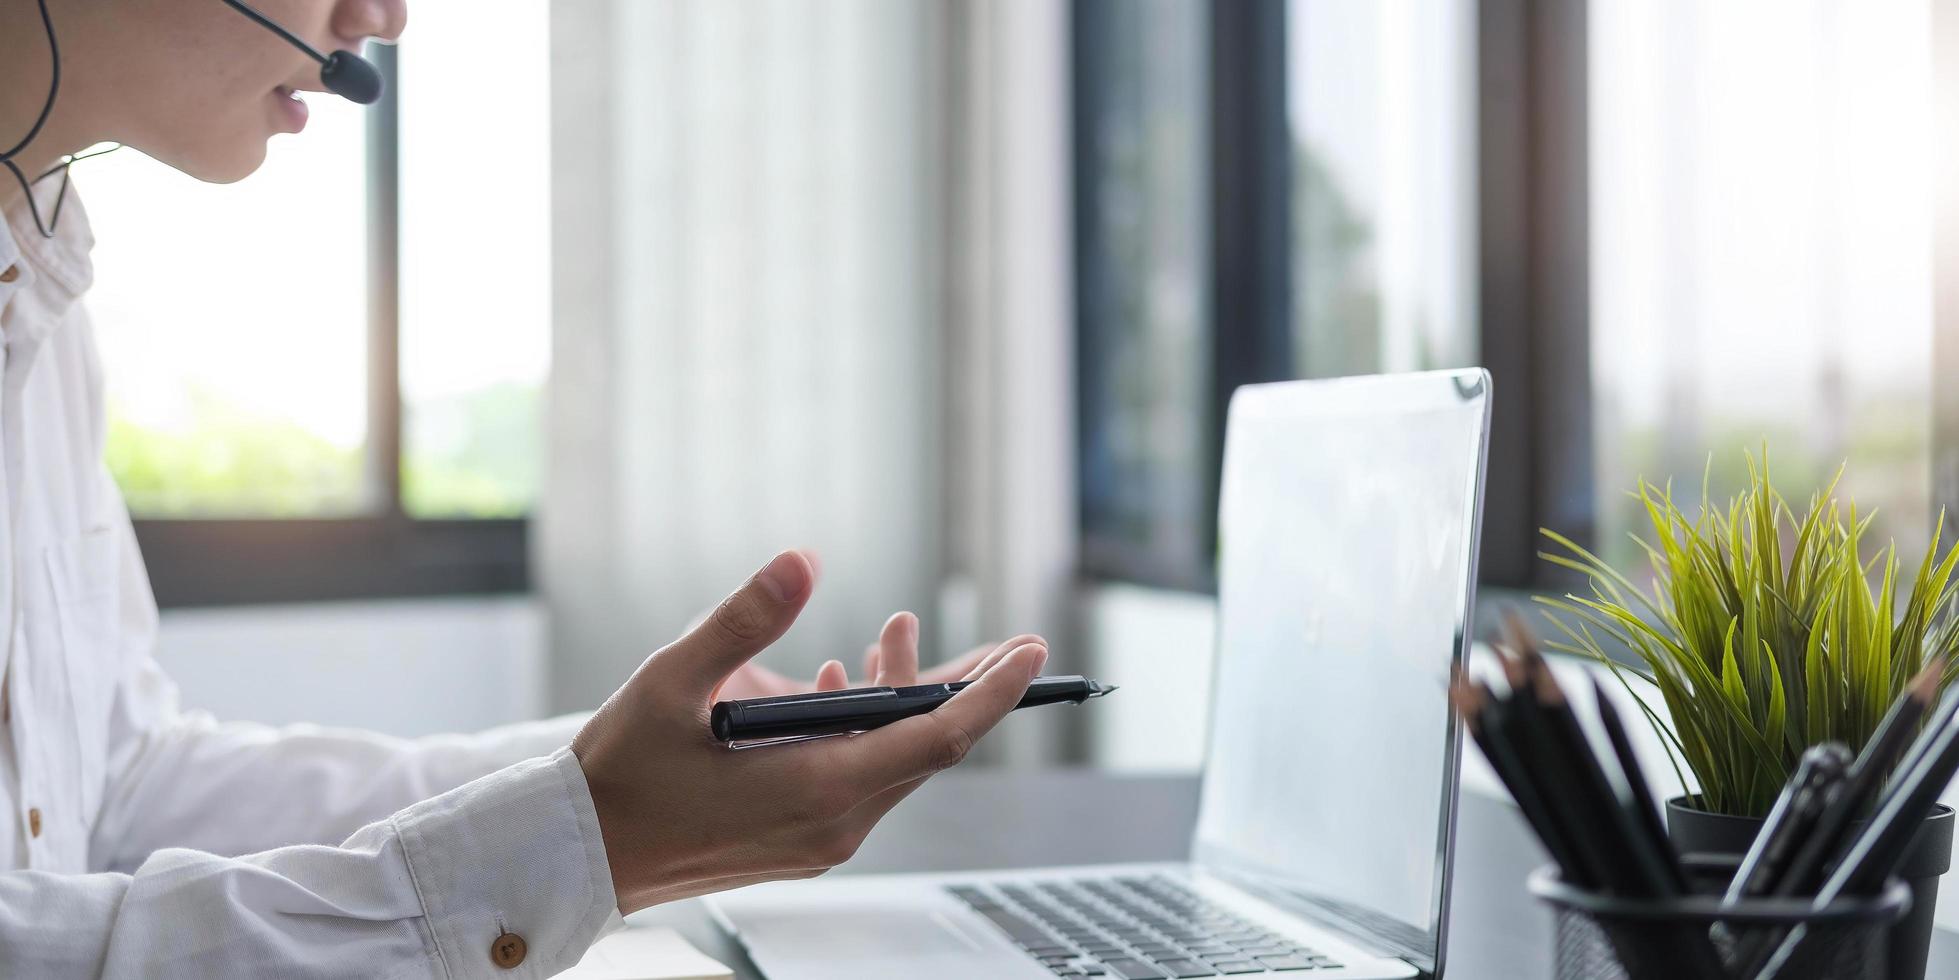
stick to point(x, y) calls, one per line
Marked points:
point(1606, 937)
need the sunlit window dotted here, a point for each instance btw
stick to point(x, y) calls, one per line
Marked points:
point(1761, 260)
point(233, 320)
point(475, 256)
point(1380, 95)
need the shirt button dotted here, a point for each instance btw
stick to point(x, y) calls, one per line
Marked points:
point(34, 822)
point(10, 273)
point(508, 950)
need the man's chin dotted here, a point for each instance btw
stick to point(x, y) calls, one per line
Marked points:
point(228, 165)
point(234, 169)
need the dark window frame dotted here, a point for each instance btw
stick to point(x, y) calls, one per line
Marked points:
point(382, 554)
point(1533, 320)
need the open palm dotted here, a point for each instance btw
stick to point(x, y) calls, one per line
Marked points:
point(892, 660)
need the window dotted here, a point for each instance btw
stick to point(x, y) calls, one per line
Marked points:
point(324, 382)
point(475, 258)
point(1761, 252)
point(1143, 173)
point(1380, 102)
point(232, 324)
point(1264, 191)
point(1674, 232)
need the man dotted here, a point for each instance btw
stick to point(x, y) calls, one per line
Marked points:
point(136, 840)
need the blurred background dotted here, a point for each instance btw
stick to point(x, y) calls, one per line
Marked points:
point(496, 387)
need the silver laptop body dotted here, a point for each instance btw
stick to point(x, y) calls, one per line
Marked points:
point(1348, 525)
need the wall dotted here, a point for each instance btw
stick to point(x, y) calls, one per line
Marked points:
point(1157, 646)
point(406, 667)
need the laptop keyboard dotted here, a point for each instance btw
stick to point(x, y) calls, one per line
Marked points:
point(1150, 928)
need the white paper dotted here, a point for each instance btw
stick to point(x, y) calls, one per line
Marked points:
point(646, 953)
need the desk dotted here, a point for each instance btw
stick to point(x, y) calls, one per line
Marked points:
point(966, 820)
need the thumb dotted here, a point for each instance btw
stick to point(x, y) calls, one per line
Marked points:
point(743, 625)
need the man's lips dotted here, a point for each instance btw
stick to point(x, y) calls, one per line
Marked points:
point(292, 109)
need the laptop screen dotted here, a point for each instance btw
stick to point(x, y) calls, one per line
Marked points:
point(1348, 521)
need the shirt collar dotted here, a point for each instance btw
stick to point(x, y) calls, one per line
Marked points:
point(63, 261)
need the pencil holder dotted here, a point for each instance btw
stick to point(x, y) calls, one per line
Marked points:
point(1604, 937)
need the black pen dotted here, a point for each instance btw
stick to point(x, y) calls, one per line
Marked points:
point(864, 708)
point(1819, 778)
point(1877, 851)
point(1885, 755)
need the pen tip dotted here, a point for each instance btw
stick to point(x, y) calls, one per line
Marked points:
point(1101, 689)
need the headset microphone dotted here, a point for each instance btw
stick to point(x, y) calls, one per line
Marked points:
point(344, 73)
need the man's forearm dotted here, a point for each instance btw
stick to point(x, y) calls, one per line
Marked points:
point(238, 788)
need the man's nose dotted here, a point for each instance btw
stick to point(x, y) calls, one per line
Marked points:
point(357, 20)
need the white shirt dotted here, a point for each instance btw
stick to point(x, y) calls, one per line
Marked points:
point(140, 840)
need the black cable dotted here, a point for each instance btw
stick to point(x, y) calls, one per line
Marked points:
point(276, 28)
point(75, 158)
point(62, 168)
point(54, 85)
point(7, 158)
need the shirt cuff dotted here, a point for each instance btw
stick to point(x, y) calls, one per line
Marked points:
point(515, 854)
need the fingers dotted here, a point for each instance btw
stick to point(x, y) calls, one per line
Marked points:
point(897, 660)
point(993, 656)
point(752, 680)
point(870, 663)
point(831, 676)
point(743, 625)
point(956, 668)
point(939, 739)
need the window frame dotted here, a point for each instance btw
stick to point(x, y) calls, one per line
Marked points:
point(385, 553)
point(1533, 269)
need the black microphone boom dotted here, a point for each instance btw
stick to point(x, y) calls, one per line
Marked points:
point(344, 73)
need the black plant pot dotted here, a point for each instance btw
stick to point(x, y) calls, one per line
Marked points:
point(1700, 832)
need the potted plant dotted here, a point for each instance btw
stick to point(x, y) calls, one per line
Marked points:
point(1765, 633)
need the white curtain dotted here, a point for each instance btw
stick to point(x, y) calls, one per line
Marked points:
point(810, 276)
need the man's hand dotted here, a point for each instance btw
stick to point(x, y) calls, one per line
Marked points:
point(884, 663)
point(683, 815)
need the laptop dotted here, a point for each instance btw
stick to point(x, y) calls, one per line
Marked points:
point(1348, 524)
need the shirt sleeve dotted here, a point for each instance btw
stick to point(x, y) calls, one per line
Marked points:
point(176, 779)
point(238, 788)
point(504, 876)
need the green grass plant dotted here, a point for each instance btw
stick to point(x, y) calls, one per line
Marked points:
point(1763, 632)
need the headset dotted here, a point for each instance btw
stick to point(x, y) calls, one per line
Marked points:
point(344, 73)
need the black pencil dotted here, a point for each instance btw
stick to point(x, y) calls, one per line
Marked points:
point(1491, 727)
point(1644, 807)
point(1637, 866)
point(1541, 752)
point(1636, 861)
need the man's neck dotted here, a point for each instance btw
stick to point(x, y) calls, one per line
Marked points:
point(25, 75)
